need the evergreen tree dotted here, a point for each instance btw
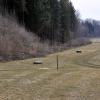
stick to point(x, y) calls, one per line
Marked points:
point(64, 20)
point(73, 18)
point(49, 19)
point(55, 17)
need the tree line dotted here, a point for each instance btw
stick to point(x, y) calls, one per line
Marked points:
point(49, 19)
point(88, 28)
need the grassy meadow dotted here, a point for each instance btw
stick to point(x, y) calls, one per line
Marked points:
point(78, 76)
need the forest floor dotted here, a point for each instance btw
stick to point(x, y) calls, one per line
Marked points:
point(78, 76)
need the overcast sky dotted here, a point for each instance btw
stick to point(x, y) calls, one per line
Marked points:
point(88, 8)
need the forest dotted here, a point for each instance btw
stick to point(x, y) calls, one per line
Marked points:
point(37, 27)
point(49, 19)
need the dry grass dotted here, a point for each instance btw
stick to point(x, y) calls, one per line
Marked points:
point(76, 79)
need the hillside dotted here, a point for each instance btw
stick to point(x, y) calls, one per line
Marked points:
point(78, 77)
point(37, 28)
point(18, 43)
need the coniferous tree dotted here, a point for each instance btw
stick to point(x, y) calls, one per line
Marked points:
point(55, 19)
point(49, 19)
point(73, 18)
point(64, 20)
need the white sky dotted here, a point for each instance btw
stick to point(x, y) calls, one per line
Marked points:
point(88, 8)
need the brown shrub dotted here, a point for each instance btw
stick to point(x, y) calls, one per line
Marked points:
point(15, 41)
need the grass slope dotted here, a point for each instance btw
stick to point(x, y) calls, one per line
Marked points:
point(78, 77)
